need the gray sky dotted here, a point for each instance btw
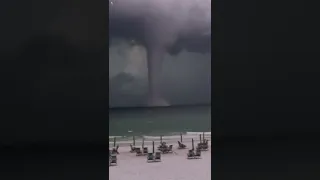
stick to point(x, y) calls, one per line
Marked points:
point(186, 77)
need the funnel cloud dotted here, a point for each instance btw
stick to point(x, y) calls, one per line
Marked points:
point(151, 31)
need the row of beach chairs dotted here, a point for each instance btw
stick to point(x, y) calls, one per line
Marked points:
point(138, 151)
point(203, 146)
point(194, 155)
point(154, 157)
point(163, 148)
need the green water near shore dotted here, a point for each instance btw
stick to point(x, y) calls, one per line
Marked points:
point(159, 121)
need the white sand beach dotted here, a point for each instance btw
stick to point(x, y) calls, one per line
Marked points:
point(174, 166)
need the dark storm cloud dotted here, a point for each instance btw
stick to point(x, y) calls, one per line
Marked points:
point(187, 24)
point(183, 28)
point(186, 77)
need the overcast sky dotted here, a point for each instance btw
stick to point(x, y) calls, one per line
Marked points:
point(186, 77)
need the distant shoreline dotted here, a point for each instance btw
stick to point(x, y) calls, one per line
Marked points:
point(186, 137)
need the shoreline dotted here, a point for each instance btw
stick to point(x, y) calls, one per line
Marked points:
point(186, 138)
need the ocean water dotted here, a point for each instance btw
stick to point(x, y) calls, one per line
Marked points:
point(151, 123)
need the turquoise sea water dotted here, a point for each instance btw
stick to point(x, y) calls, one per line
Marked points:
point(151, 123)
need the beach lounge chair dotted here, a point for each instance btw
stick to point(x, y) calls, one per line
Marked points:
point(190, 154)
point(150, 157)
point(181, 146)
point(133, 149)
point(162, 146)
point(113, 160)
point(138, 151)
point(145, 150)
point(207, 141)
point(206, 147)
point(198, 153)
point(203, 147)
point(157, 156)
point(115, 150)
point(169, 150)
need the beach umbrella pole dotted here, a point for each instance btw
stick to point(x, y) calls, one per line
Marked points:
point(200, 138)
point(114, 142)
point(134, 141)
point(152, 146)
point(192, 144)
point(181, 137)
point(142, 143)
point(160, 139)
point(203, 137)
